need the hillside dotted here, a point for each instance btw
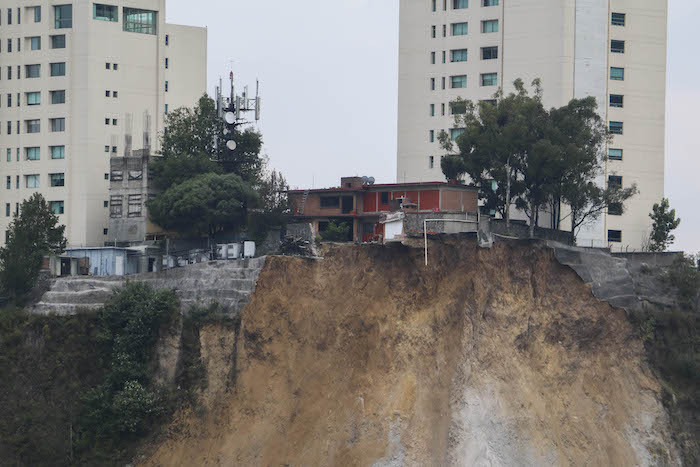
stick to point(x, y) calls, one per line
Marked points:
point(367, 357)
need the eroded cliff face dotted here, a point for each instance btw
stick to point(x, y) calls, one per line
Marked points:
point(486, 357)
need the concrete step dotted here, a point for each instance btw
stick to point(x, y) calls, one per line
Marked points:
point(63, 309)
point(198, 284)
point(93, 296)
point(84, 284)
point(212, 294)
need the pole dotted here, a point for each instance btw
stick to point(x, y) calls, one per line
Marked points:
point(425, 237)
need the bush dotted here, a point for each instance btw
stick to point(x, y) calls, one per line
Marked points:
point(336, 232)
point(684, 276)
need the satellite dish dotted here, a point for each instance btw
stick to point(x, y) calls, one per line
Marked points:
point(364, 180)
point(230, 118)
point(231, 144)
point(371, 180)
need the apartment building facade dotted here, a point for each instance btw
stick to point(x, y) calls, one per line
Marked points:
point(614, 50)
point(83, 82)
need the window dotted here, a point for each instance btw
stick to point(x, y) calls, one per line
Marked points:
point(32, 154)
point(614, 180)
point(167, 38)
point(8, 209)
point(459, 4)
point(166, 86)
point(459, 55)
point(105, 12)
point(115, 205)
point(9, 45)
point(615, 154)
point(31, 181)
point(330, 202)
point(32, 126)
point(443, 82)
point(141, 21)
point(616, 100)
point(9, 182)
point(58, 152)
point(431, 136)
point(32, 71)
point(384, 197)
point(444, 30)
point(58, 69)
point(432, 84)
point(106, 121)
point(115, 66)
point(57, 180)
point(443, 109)
point(106, 148)
point(615, 236)
point(114, 149)
point(57, 124)
point(489, 79)
point(114, 121)
point(616, 128)
point(490, 25)
point(107, 93)
point(458, 81)
point(460, 29)
point(434, 32)
point(114, 94)
point(35, 43)
point(135, 206)
point(9, 16)
point(58, 97)
point(458, 108)
point(64, 16)
point(33, 98)
point(56, 207)
point(167, 63)
point(489, 53)
point(431, 162)
point(9, 99)
point(37, 14)
point(117, 176)
point(9, 155)
point(489, 3)
point(456, 133)
point(615, 209)
point(58, 42)
point(617, 47)
point(108, 66)
point(432, 110)
point(618, 19)
point(432, 58)
point(617, 74)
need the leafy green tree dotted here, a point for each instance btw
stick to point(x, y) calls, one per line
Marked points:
point(664, 222)
point(336, 232)
point(205, 205)
point(178, 168)
point(33, 234)
point(274, 206)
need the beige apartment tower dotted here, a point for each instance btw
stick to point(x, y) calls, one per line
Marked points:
point(614, 50)
point(82, 82)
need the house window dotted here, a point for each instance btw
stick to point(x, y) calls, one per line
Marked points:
point(58, 97)
point(9, 155)
point(167, 39)
point(460, 4)
point(105, 12)
point(114, 94)
point(56, 207)
point(135, 206)
point(32, 154)
point(459, 55)
point(9, 182)
point(9, 99)
point(489, 79)
point(57, 180)
point(615, 154)
point(58, 69)
point(431, 136)
point(456, 133)
point(444, 30)
point(432, 84)
point(431, 162)
point(64, 16)
point(106, 148)
point(141, 21)
point(166, 86)
point(618, 19)
point(432, 58)
point(458, 108)
point(115, 206)
point(615, 209)
point(37, 14)
point(330, 202)
point(617, 74)
point(9, 16)
point(490, 25)
point(460, 29)
point(33, 98)
point(615, 236)
point(616, 128)
point(117, 176)
point(8, 210)
point(31, 181)
point(35, 43)
point(614, 180)
point(167, 63)
point(58, 42)
point(384, 197)
point(616, 100)
point(433, 32)
point(58, 152)
point(432, 110)
point(617, 47)
point(32, 126)
point(490, 3)
point(57, 124)
point(458, 81)
point(489, 53)
point(32, 71)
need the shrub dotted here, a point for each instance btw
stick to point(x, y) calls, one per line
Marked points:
point(336, 232)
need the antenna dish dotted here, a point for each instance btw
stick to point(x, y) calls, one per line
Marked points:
point(371, 180)
point(231, 144)
point(230, 118)
point(364, 180)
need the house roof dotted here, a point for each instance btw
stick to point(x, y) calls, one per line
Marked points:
point(388, 186)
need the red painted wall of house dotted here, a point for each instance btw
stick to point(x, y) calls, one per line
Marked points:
point(429, 199)
point(370, 202)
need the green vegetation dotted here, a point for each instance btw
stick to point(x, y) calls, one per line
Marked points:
point(336, 232)
point(665, 222)
point(537, 158)
point(33, 234)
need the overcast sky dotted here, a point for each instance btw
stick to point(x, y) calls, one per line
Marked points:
point(328, 72)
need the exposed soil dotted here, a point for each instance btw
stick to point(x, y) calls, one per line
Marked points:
point(497, 357)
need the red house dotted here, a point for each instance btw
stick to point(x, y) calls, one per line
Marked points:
point(361, 205)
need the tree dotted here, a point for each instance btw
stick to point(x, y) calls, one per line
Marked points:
point(33, 234)
point(274, 206)
point(336, 232)
point(665, 222)
point(207, 204)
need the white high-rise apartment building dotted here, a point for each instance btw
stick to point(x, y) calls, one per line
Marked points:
point(614, 50)
point(81, 82)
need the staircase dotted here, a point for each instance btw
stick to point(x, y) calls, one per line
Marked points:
point(303, 202)
point(228, 283)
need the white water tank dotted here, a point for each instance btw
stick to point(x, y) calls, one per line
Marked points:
point(248, 249)
point(222, 251)
point(234, 250)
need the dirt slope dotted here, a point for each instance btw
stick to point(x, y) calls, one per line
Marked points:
point(495, 357)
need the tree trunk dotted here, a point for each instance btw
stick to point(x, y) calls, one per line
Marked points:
point(533, 219)
point(572, 239)
point(508, 195)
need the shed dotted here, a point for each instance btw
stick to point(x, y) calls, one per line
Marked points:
point(108, 261)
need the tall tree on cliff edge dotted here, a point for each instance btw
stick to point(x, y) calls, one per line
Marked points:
point(33, 234)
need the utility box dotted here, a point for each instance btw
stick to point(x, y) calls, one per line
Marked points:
point(234, 250)
point(249, 249)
